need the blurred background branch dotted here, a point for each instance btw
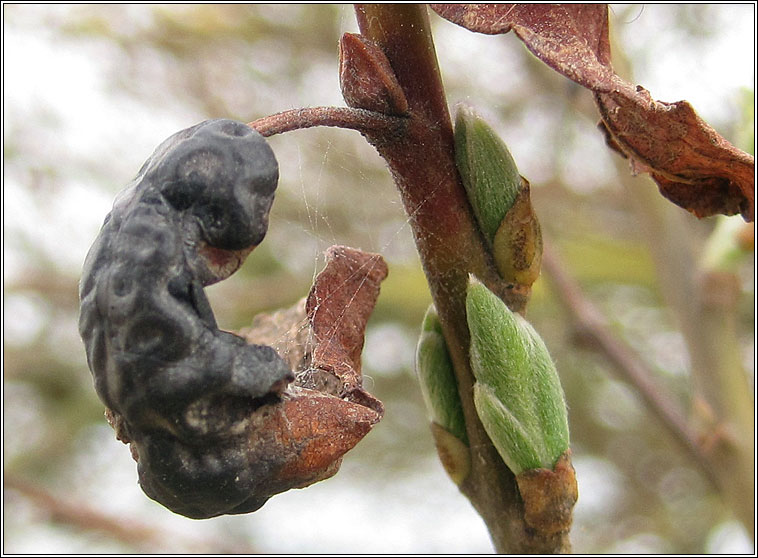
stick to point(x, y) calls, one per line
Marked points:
point(129, 531)
point(591, 330)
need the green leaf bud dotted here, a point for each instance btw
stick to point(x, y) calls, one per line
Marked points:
point(517, 393)
point(489, 173)
point(499, 197)
point(439, 387)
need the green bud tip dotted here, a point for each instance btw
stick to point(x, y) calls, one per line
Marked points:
point(489, 173)
point(517, 394)
point(499, 197)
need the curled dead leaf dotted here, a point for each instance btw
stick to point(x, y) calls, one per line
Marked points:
point(327, 411)
point(692, 164)
point(313, 430)
point(340, 303)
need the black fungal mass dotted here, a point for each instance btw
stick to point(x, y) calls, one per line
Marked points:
point(180, 389)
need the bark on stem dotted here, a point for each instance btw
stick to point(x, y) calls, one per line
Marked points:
point(422, 164)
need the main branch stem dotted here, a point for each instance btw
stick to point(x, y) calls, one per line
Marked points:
point(450, 246)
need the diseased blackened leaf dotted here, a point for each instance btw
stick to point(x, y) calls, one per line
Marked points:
point(219, 423)
point(693, 165)
point(289, 441)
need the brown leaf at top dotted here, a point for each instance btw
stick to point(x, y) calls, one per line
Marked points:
point(570, 38)
point(692, 164)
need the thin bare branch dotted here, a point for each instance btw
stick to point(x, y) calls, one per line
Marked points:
point(630, 367)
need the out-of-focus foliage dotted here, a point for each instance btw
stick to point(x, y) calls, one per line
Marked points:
point(91, 89)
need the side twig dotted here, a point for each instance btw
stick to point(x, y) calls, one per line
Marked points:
point(339, 117)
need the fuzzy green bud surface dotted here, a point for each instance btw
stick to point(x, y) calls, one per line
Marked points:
point(517, 393)
point(439, 390)
point(499, 197)
point(439, 387)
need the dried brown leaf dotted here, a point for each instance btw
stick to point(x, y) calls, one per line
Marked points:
point(327, 412)
point(692, 164)
point(313, 431)
point(339, 305)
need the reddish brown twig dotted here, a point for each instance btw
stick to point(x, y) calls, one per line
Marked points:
point(338, 117)
point(448, 241)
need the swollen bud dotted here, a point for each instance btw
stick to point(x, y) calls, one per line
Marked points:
point(499, 197)
point(517, 393)
point(439, 387)
point(367, 78)
point(439, 390)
